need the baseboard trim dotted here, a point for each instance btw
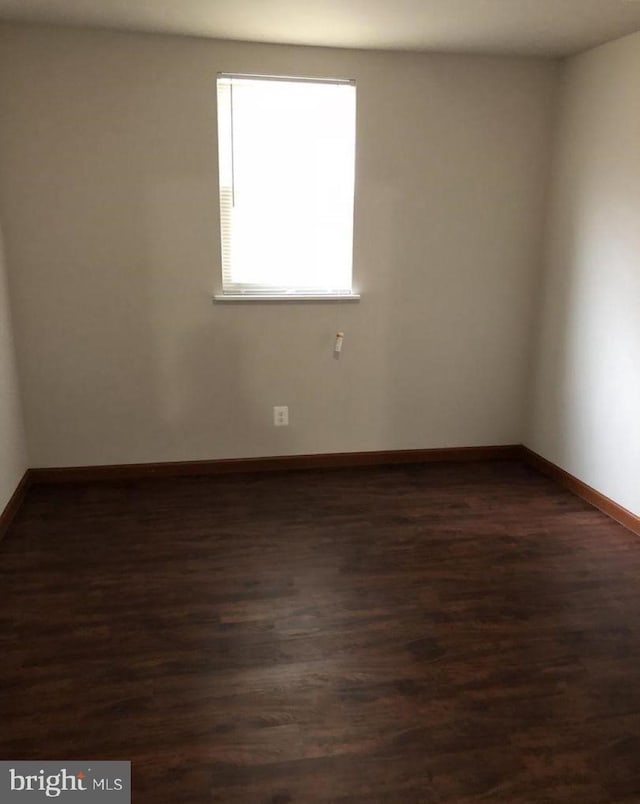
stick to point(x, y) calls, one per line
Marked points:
point(15, 501)
point(336, 460)
point(137, 471)
point(586, 492)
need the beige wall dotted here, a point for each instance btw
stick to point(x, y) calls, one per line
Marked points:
point(13, 452)
point(586, 400)
point(108, 189)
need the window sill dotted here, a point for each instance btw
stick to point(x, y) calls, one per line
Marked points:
point(286, 297)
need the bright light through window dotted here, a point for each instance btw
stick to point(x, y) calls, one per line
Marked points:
point(286, 159)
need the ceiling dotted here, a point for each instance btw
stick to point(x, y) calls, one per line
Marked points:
point(542, 27)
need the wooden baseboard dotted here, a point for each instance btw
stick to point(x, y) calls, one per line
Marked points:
point(513, 452)
point(11, 508)
point(79, 474)
point(588, 493)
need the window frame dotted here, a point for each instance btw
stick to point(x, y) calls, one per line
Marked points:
point(238, 293)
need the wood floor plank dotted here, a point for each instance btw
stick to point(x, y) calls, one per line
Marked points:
point(423, 633)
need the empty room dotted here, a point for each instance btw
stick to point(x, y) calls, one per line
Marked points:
point(320, 401)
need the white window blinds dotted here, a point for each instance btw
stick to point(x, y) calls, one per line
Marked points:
point(286, 162)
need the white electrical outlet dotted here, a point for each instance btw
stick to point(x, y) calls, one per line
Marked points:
point(281, 416)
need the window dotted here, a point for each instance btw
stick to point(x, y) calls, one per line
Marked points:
point(286, 164)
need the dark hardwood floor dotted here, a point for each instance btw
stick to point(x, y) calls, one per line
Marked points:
point(431, 633)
